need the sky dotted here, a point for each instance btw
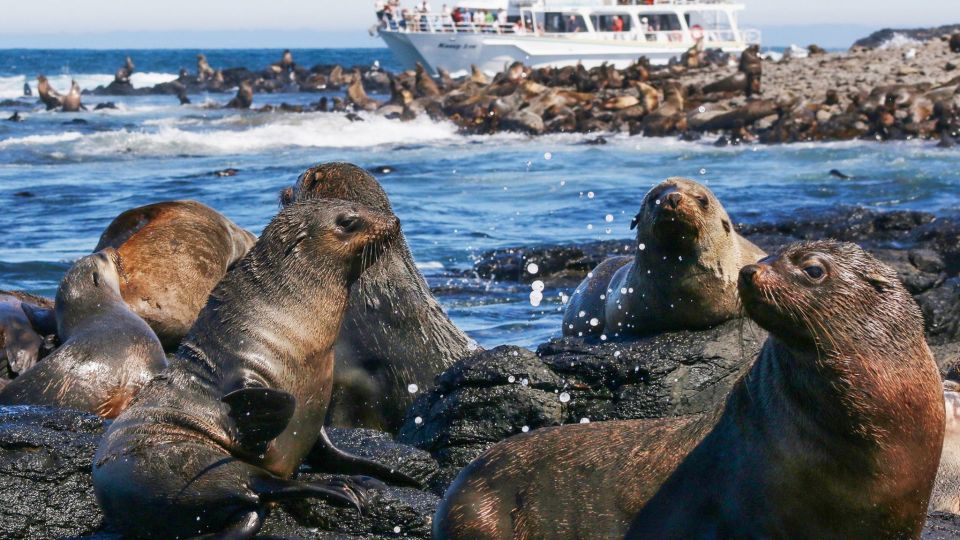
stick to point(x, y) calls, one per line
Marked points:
point(344, 23)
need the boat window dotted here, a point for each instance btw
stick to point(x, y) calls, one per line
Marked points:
point(561, 23)
point(661, 22)
point(610, 23)
point(713, 25)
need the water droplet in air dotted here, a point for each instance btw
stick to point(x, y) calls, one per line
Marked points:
point(511, 379)
point(418, 420)
point(413, 388)
point(642, 247)
point(547, 156)
point(564, 397)
point(525, 429)
point(590, 195)
point(609, 218)
point(584, 420)
point(396, 529)
point(533, 268)
point(594, 321)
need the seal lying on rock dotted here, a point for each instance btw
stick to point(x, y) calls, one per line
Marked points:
point(835, 432)
point(210, 445)
point(173, 254)
point(394, 333)
point(683, 276)
point(48, 94)
point(107, 353)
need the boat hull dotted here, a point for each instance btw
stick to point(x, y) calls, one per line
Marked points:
point(456, 52)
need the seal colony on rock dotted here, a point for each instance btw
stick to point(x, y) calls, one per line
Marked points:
point(835, 432)
point(107, 353)
point(210, 445)
point(683, 276)
point(172, 255)
point(394, 333)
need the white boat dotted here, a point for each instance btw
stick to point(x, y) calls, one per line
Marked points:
point(559, 33)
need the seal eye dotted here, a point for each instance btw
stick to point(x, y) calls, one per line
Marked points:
point(96, 279)
point(814, 271)
point(349, 223)
point(703, 200)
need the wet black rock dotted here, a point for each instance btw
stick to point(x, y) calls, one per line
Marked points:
point(380, 447)
point(45, 460)
point(495, 394)
point(941, 526)
point(561, 264)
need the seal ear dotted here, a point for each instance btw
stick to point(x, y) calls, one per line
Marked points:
point(879, 282)
point(286, 197)
point(634, 222)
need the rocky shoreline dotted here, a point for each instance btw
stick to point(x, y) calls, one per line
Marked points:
point(872, 92)
point(45, 454)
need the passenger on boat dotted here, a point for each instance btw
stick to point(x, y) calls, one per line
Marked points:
point(457, 15)
point(502, 17)
point(446, 11)
point(617, 25)
point(380, 6)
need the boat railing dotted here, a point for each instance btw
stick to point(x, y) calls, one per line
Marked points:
point(442, 24)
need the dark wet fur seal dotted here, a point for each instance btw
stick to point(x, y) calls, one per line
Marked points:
point(394, 332)
point(835, 431)
point(48, 95)
point(210, 445)
point(25, 331)
point(244, 97)
point(172, 255)
point(107, 353)
point(683, 276)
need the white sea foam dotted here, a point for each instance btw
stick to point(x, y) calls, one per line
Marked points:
point(899, 40)
point(12, 87)
point(315, 130)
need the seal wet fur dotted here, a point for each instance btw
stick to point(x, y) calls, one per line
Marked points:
point(107, 353)
point(394, 333)
point(835, 432)
point(683, 276)
point(210, 445)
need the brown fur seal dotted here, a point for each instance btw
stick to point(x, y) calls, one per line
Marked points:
point(946, 491)
point(204, 71)
point(71, 102)
point(123, 74)
point(210, 445)
point(835, 431)
point(683, 276)
point(172, 255)
point(244, 97)
point(107, 353)
point(394, 332)
point(48, 95)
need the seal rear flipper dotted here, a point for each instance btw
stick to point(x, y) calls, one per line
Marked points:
point(328, 458)
point(259, 415)
point(340, 491)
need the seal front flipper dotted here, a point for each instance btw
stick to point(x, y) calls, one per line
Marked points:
point(259, 415)
point(327, 457)
point(246, 527)
point(341, 491)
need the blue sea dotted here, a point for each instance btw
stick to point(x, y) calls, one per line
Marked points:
point(65, 176)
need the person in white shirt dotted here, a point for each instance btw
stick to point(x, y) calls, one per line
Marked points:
point(446, 11)
point(425, 7)
point(502, 17)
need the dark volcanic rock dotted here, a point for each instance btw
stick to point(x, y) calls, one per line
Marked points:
point(562, 264)
point(941, 526)
point(46, 456)
point(45, 460)
point(495, 394)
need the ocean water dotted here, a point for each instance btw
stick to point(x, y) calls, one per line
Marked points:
point(65, 176)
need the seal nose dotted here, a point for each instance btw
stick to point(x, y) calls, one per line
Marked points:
point(672, 200)
point(748, 272)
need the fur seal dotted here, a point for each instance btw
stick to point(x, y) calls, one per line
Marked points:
point(71, 102)
point(107, 353)
point(244, 97)
point(751, 65)
point(172, 255)
point(123, 73)
point(394, 332)
point(835, 431)
point(48, 95)
point(204, 71)
point(683, 276)
point(946, 491)
point(21, 344)
point(210, 445)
